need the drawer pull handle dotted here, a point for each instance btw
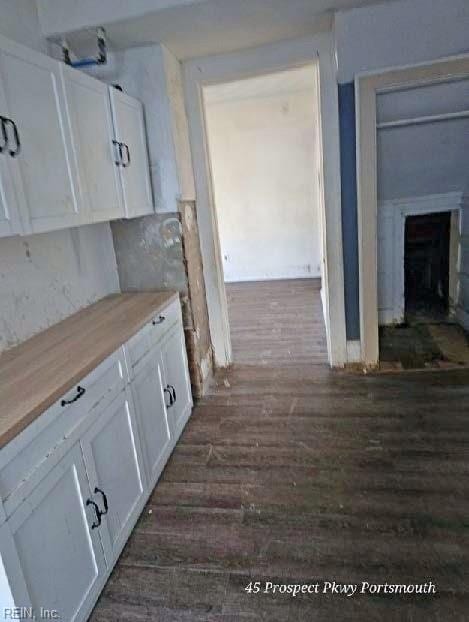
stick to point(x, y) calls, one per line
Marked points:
point(159, 320)
point(97, 522)
point(101, 492)
point(171, 398)
point(80, 392)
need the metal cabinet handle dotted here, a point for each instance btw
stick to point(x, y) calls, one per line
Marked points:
point(118, 161)
point(4, 134)
point(97, 522)
point(173, 391)
point(159, 320)
point(126, 147)
point(171, 400)
point(101, 492)
point(15, 152)
point(80, 392)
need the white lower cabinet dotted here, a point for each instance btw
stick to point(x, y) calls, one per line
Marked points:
point(60, 541)
point(176, 381)
point(60, 555)
point(111, 450)
point(147, 389)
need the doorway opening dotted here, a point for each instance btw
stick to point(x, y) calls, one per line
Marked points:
point(263, 136)
point(426, 267)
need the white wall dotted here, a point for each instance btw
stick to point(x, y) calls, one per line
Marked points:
point(265, 172)
point(46, 277)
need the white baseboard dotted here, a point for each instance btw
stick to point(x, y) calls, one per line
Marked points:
point(354, 351)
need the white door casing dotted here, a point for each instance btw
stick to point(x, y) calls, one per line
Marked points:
point(249, 63)
point(367, 86)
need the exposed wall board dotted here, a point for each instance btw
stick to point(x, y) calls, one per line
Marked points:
point(265, 174)
point(44, 278)
point(162, 252)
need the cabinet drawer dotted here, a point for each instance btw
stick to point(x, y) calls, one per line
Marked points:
point(25, 460)
point(139, 346)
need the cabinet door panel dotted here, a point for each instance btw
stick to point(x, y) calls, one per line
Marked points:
point(44, 170)
point(150, 408)
point(10, 222)
point(112, 455)
point(130, 130)
point(60, 555)
point(176, 375)
point(91, 119)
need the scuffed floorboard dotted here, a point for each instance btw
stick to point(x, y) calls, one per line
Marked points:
point(293, 473)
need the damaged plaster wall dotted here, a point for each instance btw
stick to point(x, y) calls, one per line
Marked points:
point(162, 251)
point(46, 277)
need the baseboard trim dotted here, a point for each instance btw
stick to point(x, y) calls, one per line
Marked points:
point(354, 351)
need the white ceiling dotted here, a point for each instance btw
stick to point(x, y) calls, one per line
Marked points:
point(279, 83)
point(189, 28)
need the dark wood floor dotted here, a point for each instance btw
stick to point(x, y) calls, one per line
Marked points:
point(293, 473)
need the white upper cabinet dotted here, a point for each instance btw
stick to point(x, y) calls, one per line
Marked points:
point(134, 170)
point(72, 152)
point(40, 155)
point(92, 130)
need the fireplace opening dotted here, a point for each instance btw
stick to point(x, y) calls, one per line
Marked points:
point(426, 266)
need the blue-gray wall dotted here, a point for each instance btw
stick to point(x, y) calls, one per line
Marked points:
point(349, 207)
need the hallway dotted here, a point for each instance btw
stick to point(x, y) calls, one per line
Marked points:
point(292, 473)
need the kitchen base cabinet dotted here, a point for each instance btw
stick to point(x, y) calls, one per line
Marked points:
point(111, 449)
point(60, 554)
point(78, 489)
point(176, 381)
point(147, 390)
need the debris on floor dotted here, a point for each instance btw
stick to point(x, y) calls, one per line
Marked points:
point(423, 345)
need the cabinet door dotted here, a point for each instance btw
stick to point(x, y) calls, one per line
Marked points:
point(147, 391)
point(135, 175)
point(13, 590)
point(112, 456)
point(176, 379)
point(93, 133)
point(10, 222)
point(60, 555)
point(43, 166)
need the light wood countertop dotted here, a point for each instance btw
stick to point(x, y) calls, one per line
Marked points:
point(36, 373)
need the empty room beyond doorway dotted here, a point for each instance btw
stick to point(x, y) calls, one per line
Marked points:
point(263, 137)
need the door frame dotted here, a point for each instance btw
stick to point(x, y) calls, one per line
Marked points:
point(271, 58)
point(367, 86)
